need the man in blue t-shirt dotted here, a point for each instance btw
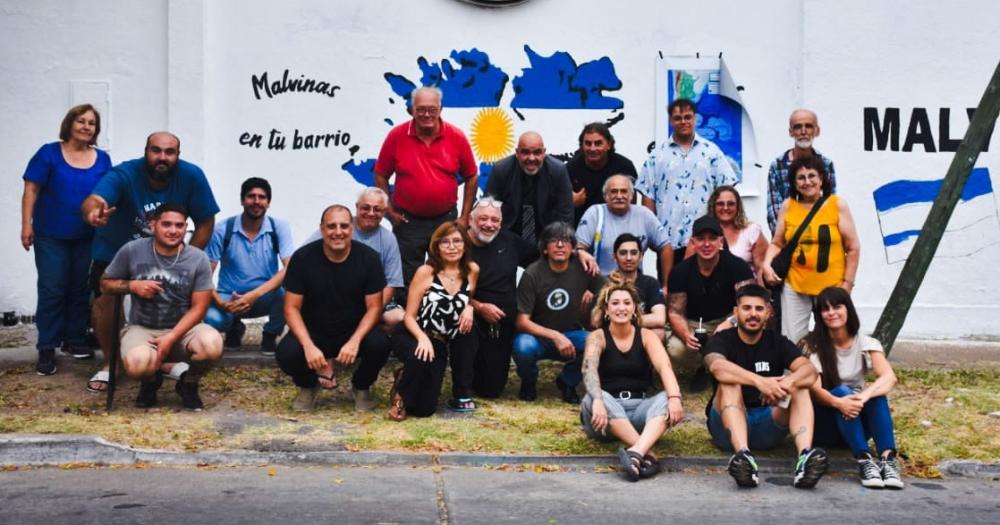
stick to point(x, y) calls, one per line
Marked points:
point(247, 249)
point(120, 206)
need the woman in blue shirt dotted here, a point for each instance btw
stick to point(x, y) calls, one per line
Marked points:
point(58, 178)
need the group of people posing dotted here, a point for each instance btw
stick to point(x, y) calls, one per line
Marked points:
point(441, 287)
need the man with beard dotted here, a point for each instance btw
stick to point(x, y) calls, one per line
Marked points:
point(119, 208)
point(603, 223)
point(756, 402)
point(171, 286)
point(498, 253)
point(593, 164)
point(803, 127)
point(533, 187)
point(247, 249)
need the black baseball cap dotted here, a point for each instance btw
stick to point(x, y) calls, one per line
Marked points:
point(706, 223)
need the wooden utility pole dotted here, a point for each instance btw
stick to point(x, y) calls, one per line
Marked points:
point(927, 242)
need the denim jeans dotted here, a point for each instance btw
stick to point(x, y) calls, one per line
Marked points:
point(528, 350)
point(874, 421)
point(271, 304)
point(63, 297)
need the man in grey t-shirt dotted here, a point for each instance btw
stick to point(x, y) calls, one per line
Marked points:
point(171, 288)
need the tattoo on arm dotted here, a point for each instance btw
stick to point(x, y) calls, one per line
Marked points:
point(741, 284)
point(713, 357)
point(591, 360)
point(678, 303)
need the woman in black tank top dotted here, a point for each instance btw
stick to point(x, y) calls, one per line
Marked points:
point(618, 366)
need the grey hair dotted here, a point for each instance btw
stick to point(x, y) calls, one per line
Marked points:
point(374, 190)
point(804, 110)
point(430, 89)
point(631, 186)
point(488, 200)
point(555, 231)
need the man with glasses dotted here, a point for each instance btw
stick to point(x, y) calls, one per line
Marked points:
point(427, 155)
point(628, 255)
point(534, 188)
point(679, 176)
point(371, 208)
point(803, 127)
point(498, 253)
point(553, 302)
point(603, 223)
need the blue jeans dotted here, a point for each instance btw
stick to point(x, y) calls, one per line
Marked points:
point(874, 421)
point(63, 296)
point(762, 431)
point(271, 304)
point(528, 350)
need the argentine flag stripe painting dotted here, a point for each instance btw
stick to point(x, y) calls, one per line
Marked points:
point(903, 206)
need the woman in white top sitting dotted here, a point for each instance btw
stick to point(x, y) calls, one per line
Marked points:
point(849, 412)
point(744, 239)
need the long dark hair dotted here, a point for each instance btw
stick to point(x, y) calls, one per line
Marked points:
point(819, 342)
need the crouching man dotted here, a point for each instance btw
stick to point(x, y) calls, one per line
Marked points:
point(171, 288)
point(756, 402)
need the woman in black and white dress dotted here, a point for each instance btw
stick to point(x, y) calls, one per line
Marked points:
point(437, 311)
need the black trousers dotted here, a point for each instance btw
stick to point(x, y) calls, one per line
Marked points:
point(420, 384)
point(414, 237)
point(493, 345)
point(372, 355)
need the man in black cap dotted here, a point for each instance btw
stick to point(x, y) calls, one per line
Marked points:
point(702, 296)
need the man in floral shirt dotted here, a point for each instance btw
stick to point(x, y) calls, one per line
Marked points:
point(680, 175)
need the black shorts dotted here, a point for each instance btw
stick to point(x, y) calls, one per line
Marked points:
point(94, 279)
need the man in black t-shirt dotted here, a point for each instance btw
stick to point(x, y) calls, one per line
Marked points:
point(592, 165)
point(628, 256)
point(333, 299)
point(498, 253)
point(702, 293)
point(756, 402)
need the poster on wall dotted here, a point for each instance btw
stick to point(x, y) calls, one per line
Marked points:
point(722, 116)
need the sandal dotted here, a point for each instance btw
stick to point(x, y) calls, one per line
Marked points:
point(397, 409)
point(649, 467)
point(630, 462)
point(462, 405)
point(100, 378)
point(331, 380)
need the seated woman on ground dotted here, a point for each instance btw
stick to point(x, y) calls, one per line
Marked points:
point(438, 313)
point(618, 362)
point(848, 412)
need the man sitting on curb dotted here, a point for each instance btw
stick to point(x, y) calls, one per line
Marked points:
point(551, 298)
point(333, 300)
point(171, 286)
point(247, 249)
point(756, 401)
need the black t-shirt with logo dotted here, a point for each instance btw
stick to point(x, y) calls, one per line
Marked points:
point(553, 299)
point(770, 357)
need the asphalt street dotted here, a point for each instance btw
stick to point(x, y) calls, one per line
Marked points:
point(456, 495)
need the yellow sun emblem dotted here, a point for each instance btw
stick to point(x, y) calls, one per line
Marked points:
point(492, 134)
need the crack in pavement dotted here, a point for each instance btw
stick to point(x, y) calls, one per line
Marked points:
point(442, 503)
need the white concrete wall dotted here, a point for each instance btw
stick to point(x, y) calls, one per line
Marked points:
point(187, 65)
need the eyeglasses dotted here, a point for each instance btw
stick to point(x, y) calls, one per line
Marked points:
point(367, 208)
point(423, 110)
point(490, 203)
point(559, 240)
point(725, 204)
point(451, 243)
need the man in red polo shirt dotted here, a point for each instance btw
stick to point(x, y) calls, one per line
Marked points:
point(427, 155)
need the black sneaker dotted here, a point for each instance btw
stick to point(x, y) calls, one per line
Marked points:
point(810, 467)
point(78, 351)
point(869, 472)
point(569, 394)
point(46, 365)
point(268, 344)
point(147, 392)
point(699, 381)
point(234, 336)
point(891, 477)
point(743, 468)
point(528, 392)
point(189, 396)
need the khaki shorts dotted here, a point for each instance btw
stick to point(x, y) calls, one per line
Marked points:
point(680, 357)
point(135, 336)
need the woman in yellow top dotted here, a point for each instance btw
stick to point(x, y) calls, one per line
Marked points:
point(827, 252)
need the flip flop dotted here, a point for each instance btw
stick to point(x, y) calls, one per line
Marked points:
point(630, 462)
point(462, 405)
point(331, 380)
point(101, 377)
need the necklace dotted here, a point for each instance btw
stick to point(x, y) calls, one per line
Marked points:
point(159, 260)
point(451, 279)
